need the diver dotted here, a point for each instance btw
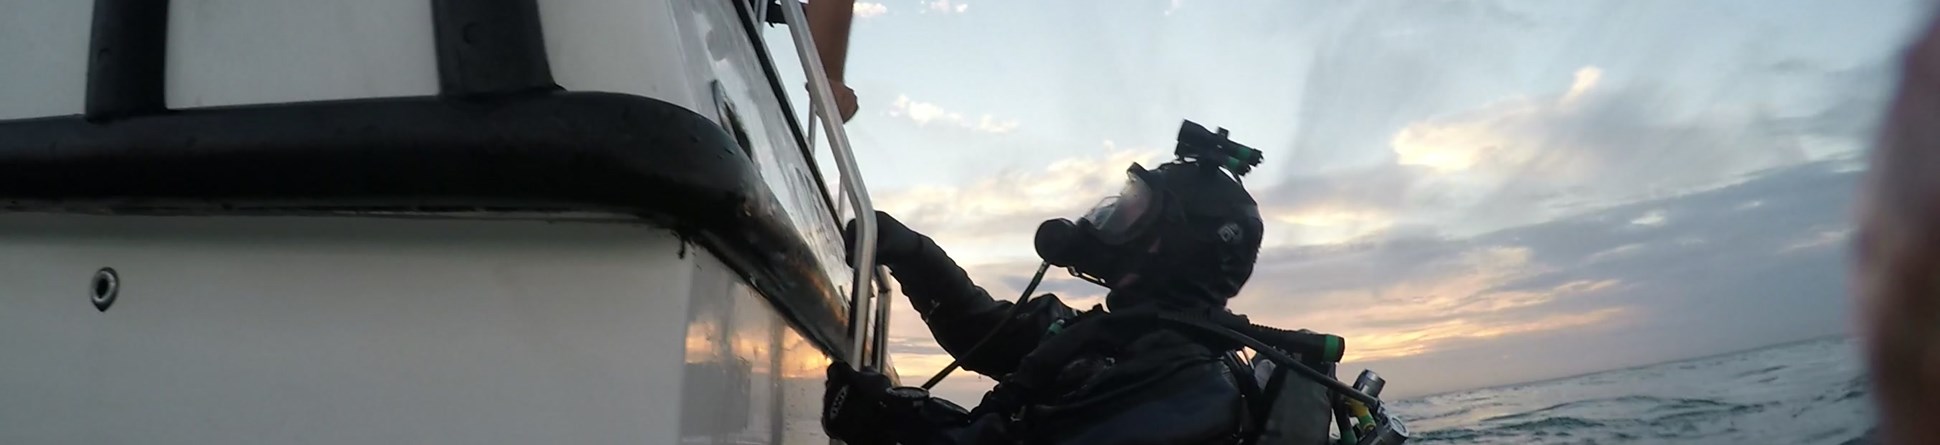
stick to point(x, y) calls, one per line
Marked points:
point(1177, 242)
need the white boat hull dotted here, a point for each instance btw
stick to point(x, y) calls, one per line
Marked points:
point(388, 330)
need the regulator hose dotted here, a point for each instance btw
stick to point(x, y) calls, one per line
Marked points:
point(1008, 316)
point(1271, 353)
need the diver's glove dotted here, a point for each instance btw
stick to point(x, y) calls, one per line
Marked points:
point(864, 408)
point(857, 408)
point(929, 277)
point(895, 242)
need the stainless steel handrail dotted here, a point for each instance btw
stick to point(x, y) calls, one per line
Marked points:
point(881, 359)
point(823, 102)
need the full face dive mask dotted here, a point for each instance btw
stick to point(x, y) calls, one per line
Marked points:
point(1111, 239)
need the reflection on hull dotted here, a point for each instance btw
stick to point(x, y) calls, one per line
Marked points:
point(750, 377)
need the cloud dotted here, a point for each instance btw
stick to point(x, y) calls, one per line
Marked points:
point(923, 113)
point(1403, 298)
point(1377, 66)
point(867, 9)
point(1822, 239)
point(946, 6)
point(1586, 79)
point(996, 216)
point(1174, 7)
point(1532, 158)
point(1422, 134)
point(1651, 218)
point(989, 125)
point(1706, 274)
point(1325, 224)
point(1461, 298)
point(1590, 143)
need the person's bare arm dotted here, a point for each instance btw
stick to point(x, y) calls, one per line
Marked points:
point(829, 22)
point(1898, 270)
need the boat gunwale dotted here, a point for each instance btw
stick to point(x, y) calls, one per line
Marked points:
point(571, 154)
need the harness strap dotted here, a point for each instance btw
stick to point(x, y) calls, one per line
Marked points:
point(1274, 385)
point(1258, 403)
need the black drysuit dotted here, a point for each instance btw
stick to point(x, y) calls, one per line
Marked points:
point(1062, 381)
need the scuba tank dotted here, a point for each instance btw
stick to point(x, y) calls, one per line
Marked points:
point(1298, 391)
point(1299, 410)
point(1302, 409)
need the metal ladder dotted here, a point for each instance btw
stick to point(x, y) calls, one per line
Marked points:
point(866, 333)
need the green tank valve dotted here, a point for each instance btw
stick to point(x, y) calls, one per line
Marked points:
point(1336, 347)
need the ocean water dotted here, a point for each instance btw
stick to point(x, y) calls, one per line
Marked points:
point(1802, 393)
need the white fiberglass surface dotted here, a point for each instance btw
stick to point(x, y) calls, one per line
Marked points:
point(44, 46)
point(624, 46)
point(351, 330)
point(230, 52)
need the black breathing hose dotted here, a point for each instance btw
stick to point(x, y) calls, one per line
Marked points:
point(1320, 347)
point(1276, 355)
point(1008, 316)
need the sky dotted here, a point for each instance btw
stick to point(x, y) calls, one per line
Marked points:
point(1472, 192)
